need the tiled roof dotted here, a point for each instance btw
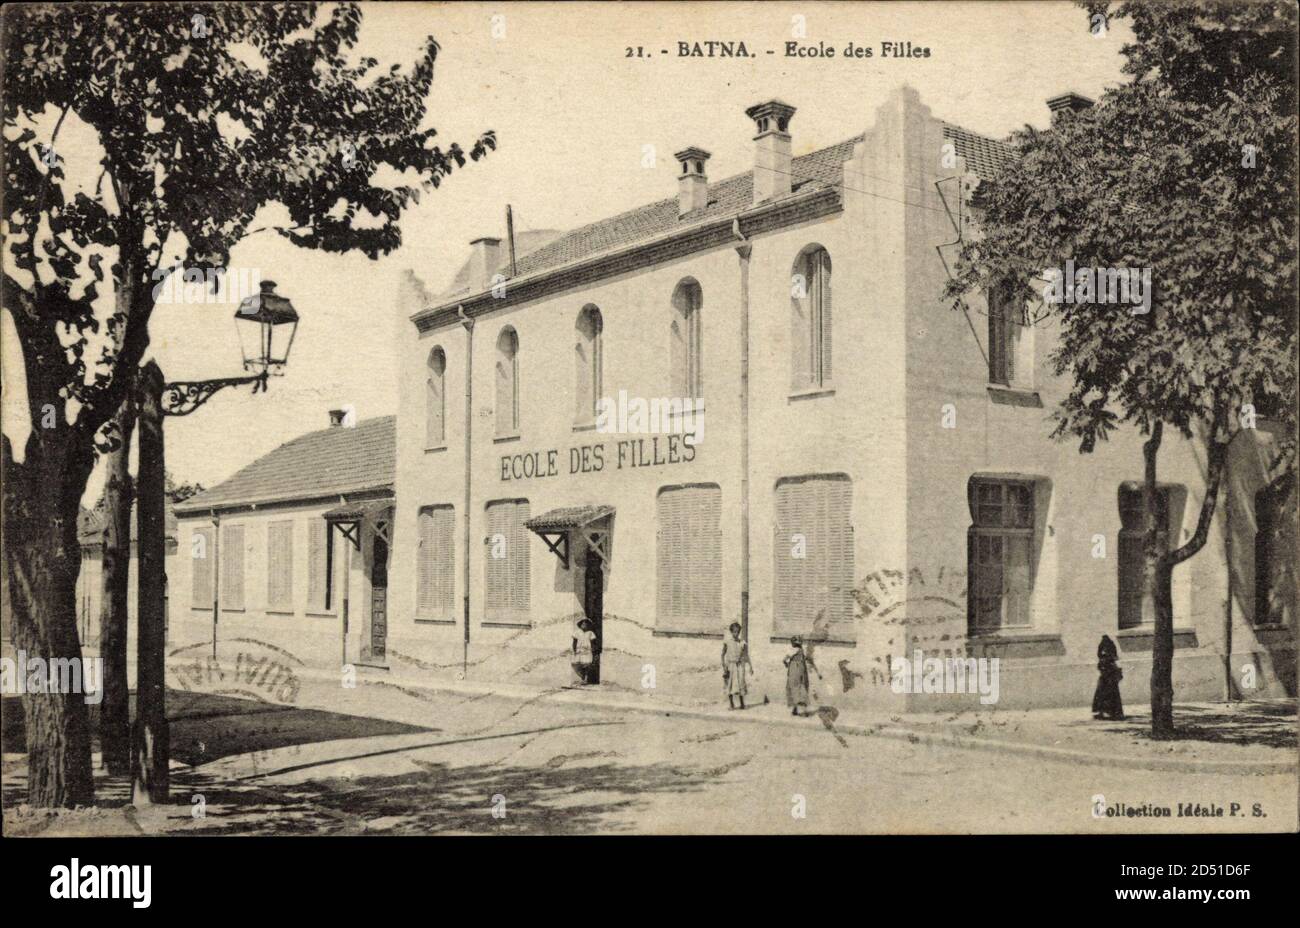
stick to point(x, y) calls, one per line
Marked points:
point(340, 459)
point(983, 155)
point(568, 517)
point(731, 197)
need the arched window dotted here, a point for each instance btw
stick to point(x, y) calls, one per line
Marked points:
point(587, 364)
point(435, 423)
point(686, 340)
point(507, 382)
point(810, 304)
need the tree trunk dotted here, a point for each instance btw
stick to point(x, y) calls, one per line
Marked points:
point(1160, 566)
point(114, 712)
point(151, 751)
point(42, 560)
point(1155, 578)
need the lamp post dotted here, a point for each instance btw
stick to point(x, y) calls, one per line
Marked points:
point(266, 323)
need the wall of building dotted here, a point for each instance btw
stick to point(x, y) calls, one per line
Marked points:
point(901, 354)
point(313, 636)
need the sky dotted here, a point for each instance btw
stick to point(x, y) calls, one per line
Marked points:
point(573, 116)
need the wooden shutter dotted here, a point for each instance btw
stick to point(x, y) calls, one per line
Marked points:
point(999, 356)
point(317, 582)
point(435, 595)
point(201, 570)
point(824, 326)
point(506, 596)
point(814, 594)
point(689, 559)
point(279, 566)
point(801, 323)
point(232, 567)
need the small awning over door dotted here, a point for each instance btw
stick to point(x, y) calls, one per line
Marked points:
point(553, 527)
point(349, 518)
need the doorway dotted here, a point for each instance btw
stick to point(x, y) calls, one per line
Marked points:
point(593, 606)
point(379, 600)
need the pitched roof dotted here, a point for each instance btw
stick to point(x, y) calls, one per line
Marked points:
point(729, 197)
point(339, 459)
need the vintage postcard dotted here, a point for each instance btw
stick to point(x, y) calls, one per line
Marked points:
point(649, 418)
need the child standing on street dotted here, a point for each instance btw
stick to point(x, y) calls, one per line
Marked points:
point(735, 665)
point(796, 676)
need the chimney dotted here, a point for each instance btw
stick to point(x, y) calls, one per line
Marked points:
point(337, 417)
point(484, 261)
point(771, 149)
point(692, 182)
point(1068, 103)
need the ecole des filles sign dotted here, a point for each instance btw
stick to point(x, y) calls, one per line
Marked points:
point(651, 451)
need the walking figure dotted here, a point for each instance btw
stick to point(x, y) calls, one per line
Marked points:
point(735, 667)
point(796, 676)
point(1106, 703)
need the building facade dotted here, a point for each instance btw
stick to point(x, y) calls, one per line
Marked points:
point(872, 469)
point(291, 552)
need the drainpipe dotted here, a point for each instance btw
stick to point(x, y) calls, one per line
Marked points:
point(743, 250)
point(469, 430)
point(216, 578)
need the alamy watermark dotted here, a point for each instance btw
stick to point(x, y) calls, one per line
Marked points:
point(667, 415)
point(923, 674)
point(197, 285)
point(1100, 285)
point(23, 674)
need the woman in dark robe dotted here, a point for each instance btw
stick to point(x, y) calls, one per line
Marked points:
point(796, 676)
point(1106, 703)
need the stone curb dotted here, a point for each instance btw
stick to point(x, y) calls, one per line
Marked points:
point(914, 733)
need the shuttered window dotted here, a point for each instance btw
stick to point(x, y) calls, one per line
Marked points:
point(1000, 547)
point(279, 566)
point(435, 400)
point(435, 583)
point(813, 546)
point(232, 567)
point(316, 566)
point(588, 364)
point(685, 345)
point(689, 559)
point(507, 381)
point(1007, 324)
point(201, 561)
point(1275, 524)
point(810, 291)
point(506, 561)
point(1136, 604)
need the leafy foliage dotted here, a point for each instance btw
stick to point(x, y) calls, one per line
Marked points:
point(1189, 170)
point(205, 114)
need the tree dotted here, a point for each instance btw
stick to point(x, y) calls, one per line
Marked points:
point(115, 503)
point(202, 115)
point(1188, 170)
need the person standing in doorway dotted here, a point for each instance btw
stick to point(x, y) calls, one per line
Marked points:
point(584, 643)
point(797, 664)
point(1106, 702)
point(735, 667)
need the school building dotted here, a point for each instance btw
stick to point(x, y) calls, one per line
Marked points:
point(872, 469)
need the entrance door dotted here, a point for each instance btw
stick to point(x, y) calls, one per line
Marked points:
point(379, 600)
point(593, 605)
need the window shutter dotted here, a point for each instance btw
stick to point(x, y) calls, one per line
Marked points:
point(689, 559)
point(202, 570)
point(824, 314)
point(998, 372)
point(316, 579)
point(815, 593)
point(232, 567)
point(279, 565)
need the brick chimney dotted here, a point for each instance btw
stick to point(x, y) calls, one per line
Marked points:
point(484, 261)
point(338, 417)
point(772, 152)
point(692, 182)
point(1068, 103)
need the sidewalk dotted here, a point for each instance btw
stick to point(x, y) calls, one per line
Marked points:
point(1256, 737)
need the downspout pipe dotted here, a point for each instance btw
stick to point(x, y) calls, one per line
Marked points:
point(743, 250)
point(468, 323)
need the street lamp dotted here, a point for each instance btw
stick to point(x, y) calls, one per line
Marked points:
point(266, 323)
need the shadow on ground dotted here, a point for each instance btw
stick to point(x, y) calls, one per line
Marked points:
point(1265, 724)
point(209, 726)
point(440, 798)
